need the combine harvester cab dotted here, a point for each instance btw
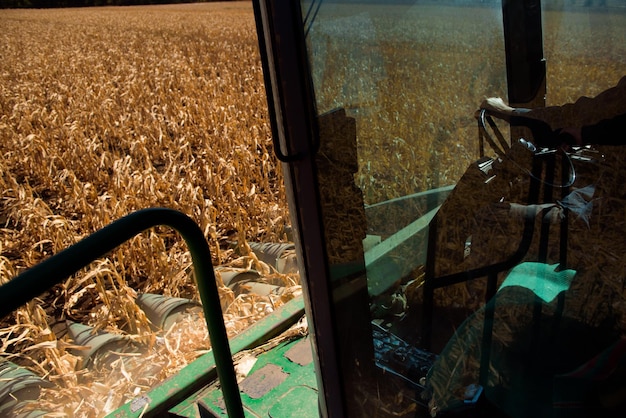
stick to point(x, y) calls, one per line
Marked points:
point(458, 257)
point(451, 247)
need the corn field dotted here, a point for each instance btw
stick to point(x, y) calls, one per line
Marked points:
point(106, 111)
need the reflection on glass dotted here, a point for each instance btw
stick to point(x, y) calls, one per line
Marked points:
point(411, 76)
point(470, 262)
point(584, 48)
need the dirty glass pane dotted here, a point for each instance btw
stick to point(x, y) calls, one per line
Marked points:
point(475, 249)
point(583, 40)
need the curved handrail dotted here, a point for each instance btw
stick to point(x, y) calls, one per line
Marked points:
point(53, 270)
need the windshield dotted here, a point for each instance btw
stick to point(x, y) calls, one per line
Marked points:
point(411, 76)
point(485, 229)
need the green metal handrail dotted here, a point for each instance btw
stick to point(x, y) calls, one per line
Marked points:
point(52, 271)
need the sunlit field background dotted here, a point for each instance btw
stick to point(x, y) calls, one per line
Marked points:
point(106, 111)
point(109, 110)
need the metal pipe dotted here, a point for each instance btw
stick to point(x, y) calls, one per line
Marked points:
point(52, 271)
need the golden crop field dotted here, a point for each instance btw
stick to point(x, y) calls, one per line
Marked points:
point(106, 111)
